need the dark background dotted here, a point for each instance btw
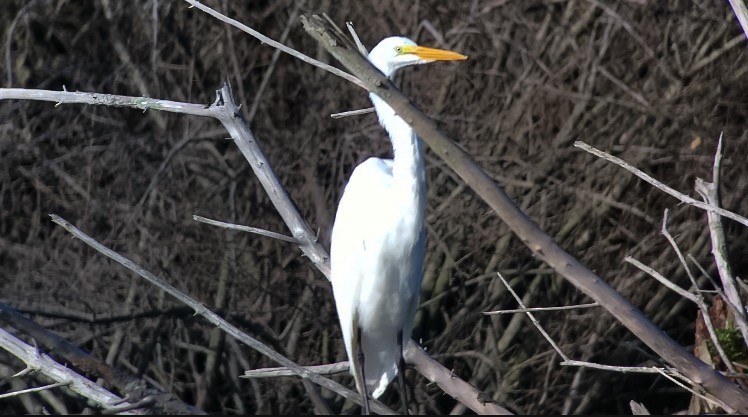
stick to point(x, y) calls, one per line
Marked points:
point(653, 82)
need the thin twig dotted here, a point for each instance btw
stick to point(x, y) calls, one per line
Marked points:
point(680, 196)
point(264, 39)
point(329, 369)
point(525, 310)
point(35, 389)
point(354, 35)
point(714, 401)
point(699, 299)
point(216, 319)
point(719, 291)
point(709, 192)
point(622, 369)
point(255, 230)
point(532, 318)
point(664, 281)
point(352, 113)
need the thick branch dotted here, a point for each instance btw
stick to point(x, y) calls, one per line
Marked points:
point(456, 387)
point(41, 362)
point(135, 389)
point(69, 97)
point(216, 319)
point(228, 113)
point(232, 120)
point(542, 246)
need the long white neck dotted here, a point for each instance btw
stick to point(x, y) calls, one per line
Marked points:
point(407, 169)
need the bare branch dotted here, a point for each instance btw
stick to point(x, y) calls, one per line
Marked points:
point(526, 310)
point(680, 196)
point(714, 401)
point(664, 281)
point(352, 113)
point(719, 291)
point(455, 387)
point(333, 368)
point(622, 369)
point(246, 229)
point(225, 110)
point(354, 35)
point(738, 6)
point(35, 389)
point(216, 319)
point(69, 97)
point(685, 294)
point(699, 299)
point(264, 39)
point(709, 192)
point(41, 362)
point(532, 318)
point(133, 388)
point(228, 113)
point(542, 245)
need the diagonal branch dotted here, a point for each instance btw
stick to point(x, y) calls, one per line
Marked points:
point(216, 319)
point(41, 362)
point(710, 208)
point(275, 44)
point(542, 245)
point(133, 388)
point(228, 113)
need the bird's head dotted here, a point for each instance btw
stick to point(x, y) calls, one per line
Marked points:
point(396, 52)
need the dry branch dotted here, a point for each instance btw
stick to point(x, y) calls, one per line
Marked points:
point(680, 196)
point(709, 192)
point(230, 116)
point(741, 12)
point(226, 111)
point(41, 362)
point(447, 381)
point(133, 388)
point(279, 46)
point(248, 229)
point(329, 369)
point(216, 319)
point(542, 245)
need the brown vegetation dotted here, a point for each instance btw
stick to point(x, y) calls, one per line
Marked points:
point(654, 82)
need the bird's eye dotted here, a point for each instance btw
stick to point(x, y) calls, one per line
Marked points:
point(399, 49)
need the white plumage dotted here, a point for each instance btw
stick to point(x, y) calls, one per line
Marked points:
point(378, 238)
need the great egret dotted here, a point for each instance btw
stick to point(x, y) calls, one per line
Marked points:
point(378, 239)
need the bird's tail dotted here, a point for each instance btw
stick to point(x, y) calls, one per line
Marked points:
point(355, 361)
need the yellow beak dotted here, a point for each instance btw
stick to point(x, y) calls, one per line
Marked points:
point(433, 54)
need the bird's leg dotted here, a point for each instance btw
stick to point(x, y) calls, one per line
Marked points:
point(362, 382)
point(401, 373)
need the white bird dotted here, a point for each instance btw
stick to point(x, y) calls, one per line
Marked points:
point(378, 239)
